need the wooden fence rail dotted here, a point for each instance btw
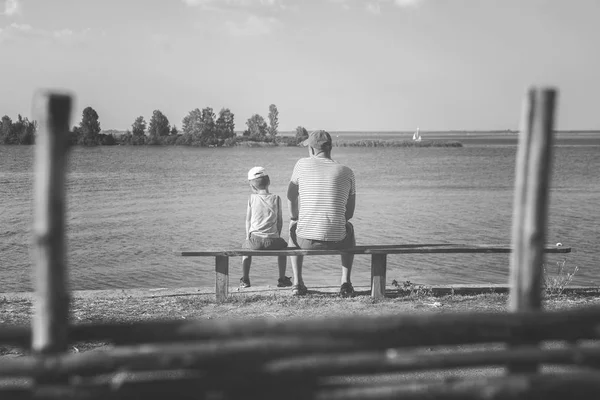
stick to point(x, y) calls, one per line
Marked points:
point(318, 358)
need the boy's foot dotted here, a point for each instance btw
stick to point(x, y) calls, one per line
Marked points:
point(244, 283)
point(299, 290)
point(284, 282)
point(347, 290)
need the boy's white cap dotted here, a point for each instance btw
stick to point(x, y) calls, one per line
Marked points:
point(256, 172)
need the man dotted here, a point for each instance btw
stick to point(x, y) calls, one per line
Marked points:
point(321, 199)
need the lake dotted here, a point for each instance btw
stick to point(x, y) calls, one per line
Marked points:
point(129, 207)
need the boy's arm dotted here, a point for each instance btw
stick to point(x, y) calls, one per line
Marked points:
point(248, 219)
point(292, 196)
point(279, 216)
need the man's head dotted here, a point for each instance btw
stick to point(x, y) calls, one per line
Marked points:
point(258, 178)
point(320, 141)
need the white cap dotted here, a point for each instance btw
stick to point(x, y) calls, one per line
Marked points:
point(256, 172)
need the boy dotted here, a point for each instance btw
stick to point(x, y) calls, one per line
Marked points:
point(263, 225)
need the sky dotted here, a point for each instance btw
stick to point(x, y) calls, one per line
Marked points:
point(326, 64)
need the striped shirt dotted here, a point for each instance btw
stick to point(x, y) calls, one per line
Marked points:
point(324, 186)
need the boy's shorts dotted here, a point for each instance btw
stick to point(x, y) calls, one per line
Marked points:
point(309, 244)
point(260, 243)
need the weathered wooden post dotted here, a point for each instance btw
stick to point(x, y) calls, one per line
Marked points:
point(52, 112)
point(222, 277)
point(530, 207)
point(378, 272)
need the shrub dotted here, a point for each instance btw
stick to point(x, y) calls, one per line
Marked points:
point(555, 284)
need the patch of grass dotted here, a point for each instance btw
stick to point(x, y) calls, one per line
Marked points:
point(411, 289)
point(556, 282)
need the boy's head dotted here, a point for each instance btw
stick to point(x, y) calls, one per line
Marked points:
point(258, 178)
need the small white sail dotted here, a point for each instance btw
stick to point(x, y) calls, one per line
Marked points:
point(417, 136)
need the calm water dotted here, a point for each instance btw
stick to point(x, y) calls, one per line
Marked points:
point(128, 207)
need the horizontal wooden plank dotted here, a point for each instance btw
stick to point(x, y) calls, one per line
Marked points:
point(370, 332)
point(563, 385)
point(367, 249)
point(284, 357)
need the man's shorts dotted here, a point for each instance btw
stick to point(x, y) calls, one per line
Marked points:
point(260, 243)
point(309, 244)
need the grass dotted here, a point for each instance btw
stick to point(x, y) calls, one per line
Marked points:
point(127, 309)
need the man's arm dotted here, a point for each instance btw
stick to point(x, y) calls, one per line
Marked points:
point(279, 216)
point(350, 205)
point(248, 219)
point(292, 196)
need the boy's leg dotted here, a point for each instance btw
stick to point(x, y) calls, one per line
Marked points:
point(282, 264)
point(246, 262)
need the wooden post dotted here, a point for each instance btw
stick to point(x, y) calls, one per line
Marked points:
point(222, 277)
point(52, 112)
point(378, 270)
point(531, 204)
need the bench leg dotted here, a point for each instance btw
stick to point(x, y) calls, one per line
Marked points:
point(222, 277)
point(378, 267)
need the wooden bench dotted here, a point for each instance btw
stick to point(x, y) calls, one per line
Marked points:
point(378, 258)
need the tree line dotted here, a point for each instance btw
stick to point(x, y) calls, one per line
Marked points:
point(202, 128)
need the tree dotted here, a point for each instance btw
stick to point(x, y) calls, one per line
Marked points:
point(159, 126)
point(6, 130)
point(301, 134)
point(74, 136)
point(199, 128)
point(125, 138)
point(192, 123)
point(257, 128)
point(208, 126)
point(139, 126)
point(174, 131)
point(107, 139)
point(24, 131)
point(225, 125)
point(273, 120)
point(89, 127)
point(138, 131)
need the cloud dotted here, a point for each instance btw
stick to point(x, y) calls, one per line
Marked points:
point(253, 26)
point(407, 3)
point(27, 32)
point(11, 7)
point(374, 8)
point(162, 41)
point(228, 4)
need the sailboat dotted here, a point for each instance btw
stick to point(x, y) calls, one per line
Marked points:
point(417, 136)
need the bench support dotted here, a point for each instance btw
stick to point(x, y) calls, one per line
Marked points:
point(378, 269)
point(222, 277)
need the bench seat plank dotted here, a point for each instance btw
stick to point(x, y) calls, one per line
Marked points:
point(367, 249)
point(378, 258)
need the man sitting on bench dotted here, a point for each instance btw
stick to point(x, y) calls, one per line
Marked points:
point(321, 199)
